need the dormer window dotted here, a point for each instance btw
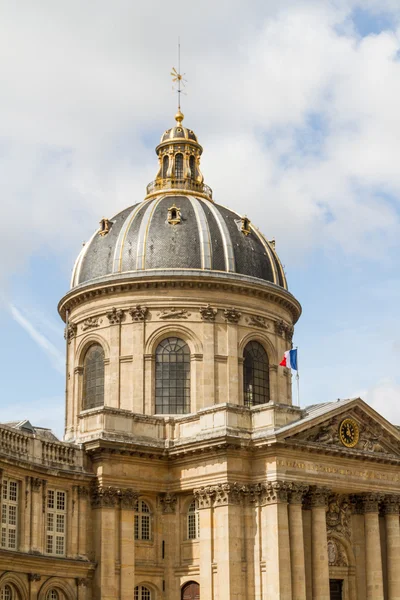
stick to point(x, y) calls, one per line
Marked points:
point(179, 166)
point(105, 225)
point(245, 227)
point(174, 215)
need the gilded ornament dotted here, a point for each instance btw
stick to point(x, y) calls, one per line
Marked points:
point(349, 433)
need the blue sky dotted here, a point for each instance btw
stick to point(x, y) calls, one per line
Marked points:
point(296, 105)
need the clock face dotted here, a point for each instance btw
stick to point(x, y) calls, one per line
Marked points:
point(349, 433)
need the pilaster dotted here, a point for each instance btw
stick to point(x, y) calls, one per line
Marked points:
point(296, 534)
point(392, 525)
point(320, 565)
point(373, 555)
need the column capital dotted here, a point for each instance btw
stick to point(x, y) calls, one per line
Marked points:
point(128, 498)
point(390, 504)
point(318, 496)
point(371, 502)
point(219, 495)
point(110, 497)
point(297, 492)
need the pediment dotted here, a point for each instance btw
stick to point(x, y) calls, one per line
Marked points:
point(376, 436)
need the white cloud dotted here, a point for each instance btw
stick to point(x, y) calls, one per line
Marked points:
point(384, 397)
point(53, 353)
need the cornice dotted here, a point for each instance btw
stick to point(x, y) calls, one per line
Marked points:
point(172, 279)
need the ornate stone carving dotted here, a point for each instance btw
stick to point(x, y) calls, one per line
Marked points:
point(390, 505)
point(232, 315)
point(173, 313)
point(91, 323)
point(34, 577)
point(82, 582)
point(338, 516)
point(336, 554)
point(104, 497)
point(284, 330)
point(219, 495)
point(257, 321)
point(208, 313)
point(318, 496)
point(115, 315)
point(168, 502)
point(138, 312)
point(297, 492)
point(371, 502)
point(70, 331)
point(83, 491)
point(128, 498)
point(36, 484)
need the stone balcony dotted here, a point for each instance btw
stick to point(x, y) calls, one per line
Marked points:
point(179, 185)
point(30, 448)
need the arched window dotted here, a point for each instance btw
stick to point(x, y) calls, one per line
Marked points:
point(6, 593)
point(172, 377)
point(93, 377)
point(165, 165)
point(52, 595)
point(192, 165)
point(142, 521)
point(179, 166)
point(255, 375)
point(193, 522)
point(142, 593)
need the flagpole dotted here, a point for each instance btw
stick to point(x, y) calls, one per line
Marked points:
point(298, 378)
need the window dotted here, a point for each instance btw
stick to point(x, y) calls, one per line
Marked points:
point(193, 522)
point(255, 375)
point(52, 595)
point(9, 514)
point(179, 166)
point(142, 593)
point(56, 522)
point(93, 377)
point(172, 377)
point(142, 521)
point(192, 165)
point(6, 593)
point(165, 165)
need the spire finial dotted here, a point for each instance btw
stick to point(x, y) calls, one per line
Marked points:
point(179, 81)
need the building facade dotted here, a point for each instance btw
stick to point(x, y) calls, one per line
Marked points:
point(187, 472)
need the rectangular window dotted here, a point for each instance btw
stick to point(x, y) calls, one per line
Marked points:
point(56, 522)
point(9, 514)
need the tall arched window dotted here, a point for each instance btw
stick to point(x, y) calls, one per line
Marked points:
point(193, 522)
point(165, 165)
point(179, 166)
point(142, 593)
point(6, 593)
point(192, 165)
point(172, 377)
point(142, 521)
point(93, 377)
point(255, 375)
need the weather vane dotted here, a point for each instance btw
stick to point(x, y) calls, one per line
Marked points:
point(178, 79)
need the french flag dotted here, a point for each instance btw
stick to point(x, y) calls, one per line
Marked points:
point(289, 359)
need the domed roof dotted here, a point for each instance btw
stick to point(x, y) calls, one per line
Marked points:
point(181, 232)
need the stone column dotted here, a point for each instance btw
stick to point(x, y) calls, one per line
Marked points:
point(208, 315)
point(232, 317)
point(127, 541)
point(275, 540)
point(296, 535)
point(170, 537)
point(112, 389)
point(38, 510)
point(83, 493)
point(373, 556)
point(105, 501)
point(391, 512)
point(204, 504)
point(82, 586)
point(320, 565)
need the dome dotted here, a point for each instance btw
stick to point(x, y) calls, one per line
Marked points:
point(178, 232)
point(178, 228)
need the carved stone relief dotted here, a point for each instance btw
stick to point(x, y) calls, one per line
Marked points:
point(208, 313)
point(232, 315)
point(91, 323)
point(70, 331)
point(284, 330)
point(168, 503)
point(138, 313)
point(336, 554)
point(173, 313)
point(338, 516)
point(257, 321)
point(115, 316)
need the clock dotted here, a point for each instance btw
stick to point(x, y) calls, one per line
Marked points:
point(349, 433)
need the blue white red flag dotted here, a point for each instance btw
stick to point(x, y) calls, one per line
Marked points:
point(290, 359)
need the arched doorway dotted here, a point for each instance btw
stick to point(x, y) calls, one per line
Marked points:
point(191, 591)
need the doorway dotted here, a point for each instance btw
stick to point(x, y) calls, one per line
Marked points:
point(335, 589)
point(191, 591)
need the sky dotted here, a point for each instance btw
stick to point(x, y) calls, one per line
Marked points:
point(296, 105)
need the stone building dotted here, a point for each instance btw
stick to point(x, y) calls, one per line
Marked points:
point(186, 470)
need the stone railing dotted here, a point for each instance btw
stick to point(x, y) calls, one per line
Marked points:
point(179, 184)
point(30, 448)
